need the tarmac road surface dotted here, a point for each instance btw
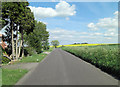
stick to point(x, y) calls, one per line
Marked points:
point(62, 68)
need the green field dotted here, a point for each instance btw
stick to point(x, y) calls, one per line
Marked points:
point(104, 57)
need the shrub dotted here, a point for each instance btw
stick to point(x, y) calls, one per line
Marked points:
point(104, 57)
point(5, 60)
point(29, 50)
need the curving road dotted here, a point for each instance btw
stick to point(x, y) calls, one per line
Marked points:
point(62, 68)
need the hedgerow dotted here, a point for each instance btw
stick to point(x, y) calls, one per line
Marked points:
point(104, 57)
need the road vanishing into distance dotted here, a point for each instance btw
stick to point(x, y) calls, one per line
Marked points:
point(62, 68)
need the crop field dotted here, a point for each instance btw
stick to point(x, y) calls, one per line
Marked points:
point(71, 45)
point(105, 57)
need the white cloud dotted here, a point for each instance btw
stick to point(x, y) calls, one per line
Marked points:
point(71, 36)
point(96, 34)
point(110, 24)
point(67, 33)
point(109, 38)
point(41, 12)
point(110, 34)
point(116, 13)
point(105, 31)
point(92, 26)
point(111, 30)
point(67, 18)
point(62, 9)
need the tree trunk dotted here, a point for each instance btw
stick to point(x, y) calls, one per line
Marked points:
point(22, 52)
point(17, 44)
point(13, 50)
point(20, 48)
point(22, 45)
point(55, 46)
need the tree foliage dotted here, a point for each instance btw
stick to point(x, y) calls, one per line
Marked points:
point(20, 19)
point(38, 39)
point(22, 30)
point(55, 43)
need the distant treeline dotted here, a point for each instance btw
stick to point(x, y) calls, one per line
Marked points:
point(80, 43)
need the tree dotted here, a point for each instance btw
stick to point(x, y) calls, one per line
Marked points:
point(8, 38)
point(55, 43)
point(38, 39)
point(9, 15)
point(20, 18)
point(45, 45)
point(27, 25)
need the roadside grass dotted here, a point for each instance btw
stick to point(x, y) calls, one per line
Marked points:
point(50, 49)
point(104, 57)
point(0, 76)
point(36, 57)
point(33, 58)
point(11, 76)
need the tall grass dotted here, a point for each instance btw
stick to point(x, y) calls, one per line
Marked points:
point(104, 57)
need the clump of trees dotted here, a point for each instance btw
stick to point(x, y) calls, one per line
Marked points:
point(55, 43)
point(22, 29)
point(38, 38)
point(17, 16)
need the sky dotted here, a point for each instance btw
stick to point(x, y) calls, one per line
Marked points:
point(78, 22)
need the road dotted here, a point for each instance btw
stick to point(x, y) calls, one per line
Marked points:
point(62, 68)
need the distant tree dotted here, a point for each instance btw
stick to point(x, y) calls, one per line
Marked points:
point(55, 43)
point(84, 43)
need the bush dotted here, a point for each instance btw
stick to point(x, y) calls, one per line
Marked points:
point(39, 50)
point(5, 60)
point(29, 51)
point(104, 57)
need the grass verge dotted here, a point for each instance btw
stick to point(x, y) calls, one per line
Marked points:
point(33, 58)
point(10, 77)
point(104, 57)
point(50, 49)
point(36, 57)
point(0, 76)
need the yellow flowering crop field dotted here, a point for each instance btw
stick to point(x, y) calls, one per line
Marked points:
point(71, 45)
